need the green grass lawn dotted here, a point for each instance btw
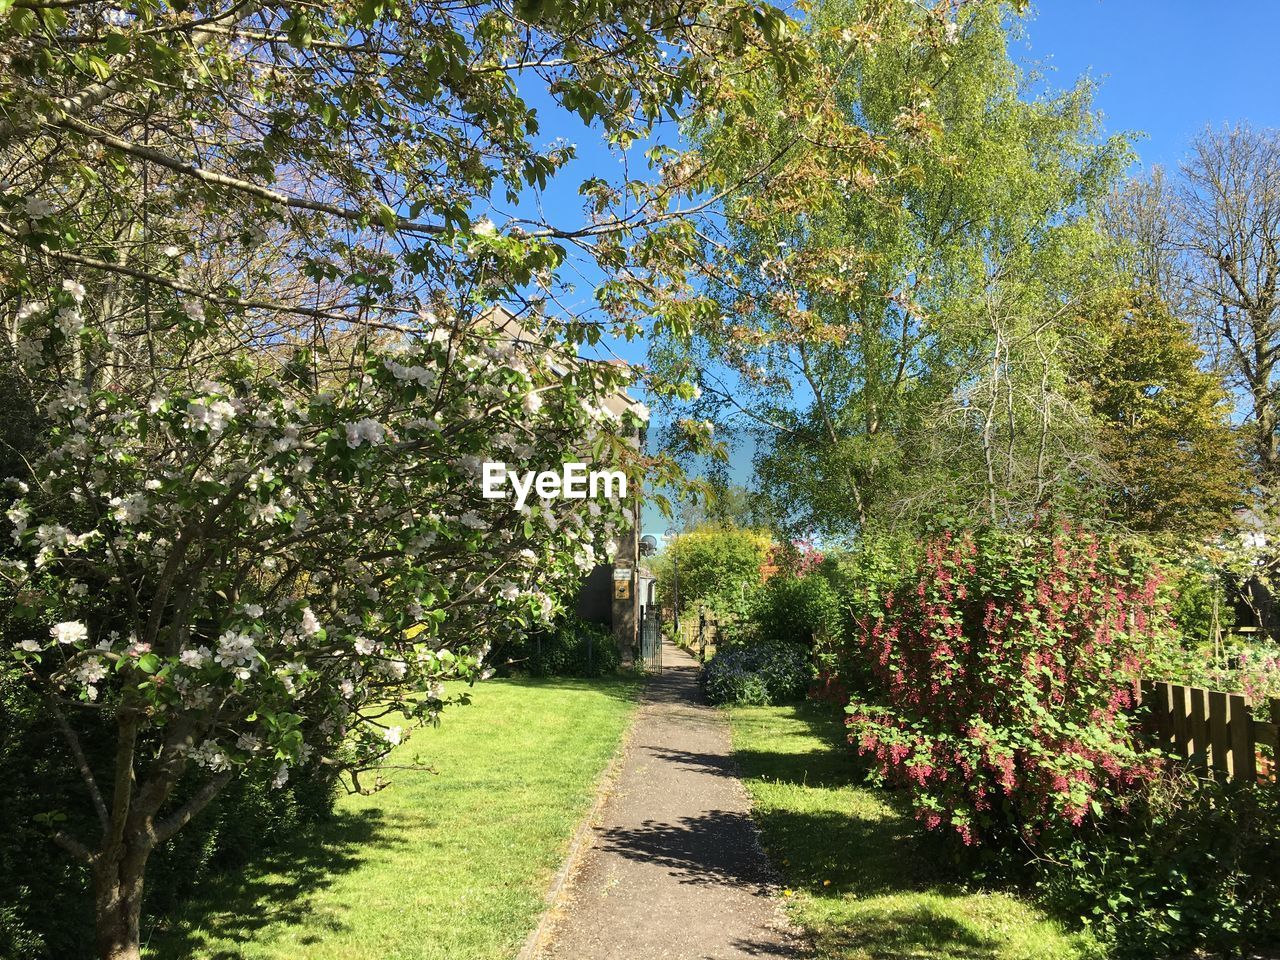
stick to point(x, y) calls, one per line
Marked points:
point(453, 864)
point(861, 877)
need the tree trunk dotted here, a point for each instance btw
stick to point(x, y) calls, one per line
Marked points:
point(117, 880)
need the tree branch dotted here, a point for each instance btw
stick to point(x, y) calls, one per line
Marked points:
point(183, 815)
point(82, 764)
point(186, 167)
point(73, 847)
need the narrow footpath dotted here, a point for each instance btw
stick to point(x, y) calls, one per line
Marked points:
point(675, 868)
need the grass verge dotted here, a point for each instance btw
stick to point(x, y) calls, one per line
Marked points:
point(447, 865)
point(861, 879)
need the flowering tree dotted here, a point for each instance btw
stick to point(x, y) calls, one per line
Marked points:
point(1006, 667)
point(249, 572)
point(249, 253)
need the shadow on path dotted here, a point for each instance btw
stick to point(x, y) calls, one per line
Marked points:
point(704, 848)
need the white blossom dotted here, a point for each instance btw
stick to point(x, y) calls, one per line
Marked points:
point(237, 653)
point(310, 625)
point(195, 657)
point(364, 431)
point(69, 631)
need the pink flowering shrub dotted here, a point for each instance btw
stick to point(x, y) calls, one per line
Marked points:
point(796, 558)
point(1005, 667)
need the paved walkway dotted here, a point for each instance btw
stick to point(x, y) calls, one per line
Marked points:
point(675, 868)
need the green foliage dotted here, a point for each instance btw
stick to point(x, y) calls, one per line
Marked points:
point(756, 672)
point(1193, 865)
point(572, 648)
point(1201, 603)
point(860, 578)
point(1176, 464)
point(716, 565)
point(802, 610)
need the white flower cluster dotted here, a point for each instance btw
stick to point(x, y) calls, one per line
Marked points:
point(69, 631)
point(211, 756)
point(236, 652)
point(211, 415)
point(418, 373)
point(364, 431)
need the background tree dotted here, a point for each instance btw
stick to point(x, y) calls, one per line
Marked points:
point(1229, 228)
point(718, 565)
point(1206, 243)
point(890, 325)
point(1166, 430)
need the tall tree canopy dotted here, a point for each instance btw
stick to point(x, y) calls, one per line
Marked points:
point(890, 325)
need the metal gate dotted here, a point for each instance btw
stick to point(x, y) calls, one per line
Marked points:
point(650, 640)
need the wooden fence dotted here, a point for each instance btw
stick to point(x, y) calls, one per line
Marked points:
point(699, 633)
point(1214, 732)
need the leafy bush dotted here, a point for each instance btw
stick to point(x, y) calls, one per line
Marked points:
point(756, 673)
point(1004, 674)
point(860, 578)
point(797, 609)
point(717, 565)
point(1201, 603)
point(573, 648)
point(1193, 866)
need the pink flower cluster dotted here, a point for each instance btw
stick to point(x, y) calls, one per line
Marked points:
point(1006, 667)
point(796, 557)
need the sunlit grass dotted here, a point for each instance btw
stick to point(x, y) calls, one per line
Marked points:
point(861, 880)
point(453, 864)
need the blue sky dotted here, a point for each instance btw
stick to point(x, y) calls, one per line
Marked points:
point(1167, 67)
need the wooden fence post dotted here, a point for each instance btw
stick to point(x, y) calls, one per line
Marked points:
point(1219, 735)
point(1199, 729)
point(1178, 711)
point(1244, 760)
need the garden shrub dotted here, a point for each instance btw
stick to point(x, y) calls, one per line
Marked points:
point(860, 579)
point(572, 648)
point(718, 566)
point(1193, 866)
point(757, 673)
point(1005, 672)
point(797, 609)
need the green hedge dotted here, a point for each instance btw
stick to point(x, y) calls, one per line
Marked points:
point(573, 648)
